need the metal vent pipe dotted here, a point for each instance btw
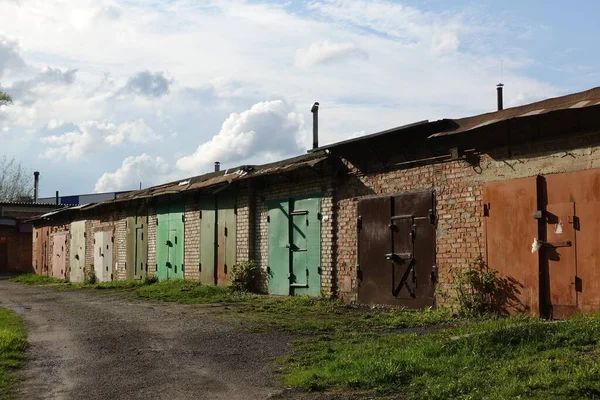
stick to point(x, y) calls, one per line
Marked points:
point(36, 185)
point(217, 166)
point(500, 96)
point(315, 111)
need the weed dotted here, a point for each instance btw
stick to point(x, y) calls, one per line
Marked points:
point(244, 276)
point(13, 341)
point(150, 280)
point(478, 290)
point(91, 278)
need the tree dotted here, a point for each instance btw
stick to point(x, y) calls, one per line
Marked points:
point(16, 182)
point(4, 98)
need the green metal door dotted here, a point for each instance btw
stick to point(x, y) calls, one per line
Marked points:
point(226, 238)
point(207, 240)
point(170, 241)
point(306, 247)
point(295, 247)
point(279, 252)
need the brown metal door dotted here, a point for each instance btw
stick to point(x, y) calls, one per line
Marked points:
point(559, 252)
point(413, 251)
point(587, 282)
point(374, 241)
point(3, 254)
point(509, 232)
point(397, 250)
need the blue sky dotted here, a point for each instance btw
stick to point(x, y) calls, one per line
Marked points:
point(111, 93)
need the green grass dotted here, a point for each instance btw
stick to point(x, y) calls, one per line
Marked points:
point(189, 292)
point(500, 359)
point(34, 279)
point(13, 341)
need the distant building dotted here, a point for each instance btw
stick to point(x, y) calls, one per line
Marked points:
point(15, 235)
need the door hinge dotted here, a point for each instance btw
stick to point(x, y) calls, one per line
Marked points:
point(182, 217)
point(486, 210)
point(200, 214)
point(432, 219)
point(359, 222)
point(268, 218)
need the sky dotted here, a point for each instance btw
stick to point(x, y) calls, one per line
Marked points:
point(109, 94)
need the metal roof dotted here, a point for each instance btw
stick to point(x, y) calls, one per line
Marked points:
point(222, 178)
point(588, 98)
point(369, 136)
point(29, 204)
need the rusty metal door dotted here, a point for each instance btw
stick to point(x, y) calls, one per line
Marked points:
point(509, 231)
point(42, 251)
point(206, 266)
point(59, 243)
point(587, 282)
point(226, 238)
point(396, 250)
point(559, 253)
point(77, 252)
point(136, 265)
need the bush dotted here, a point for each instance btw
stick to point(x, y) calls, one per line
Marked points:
point(91, 278)
point(244, 276)
point(479, 290)
point(150, 280)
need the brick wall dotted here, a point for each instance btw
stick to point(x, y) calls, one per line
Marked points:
point(151, 241)
point(121, 246)
point(277, 189)
point(191, 246)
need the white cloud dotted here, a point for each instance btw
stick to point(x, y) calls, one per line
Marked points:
point(268, 129)
point(325, 52)
point(94, 136)
point(10, 57)
point(44, 84)
point(444, 41)
point(144, 168)
point(55, 123)
point(146, 83)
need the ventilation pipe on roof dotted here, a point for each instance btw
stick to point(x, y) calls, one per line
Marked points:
point(315, 111)
point(36, 185)
point(500, 99)
point(57, 202)
point(217, 166)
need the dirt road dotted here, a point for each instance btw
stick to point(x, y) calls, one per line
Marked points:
point(90, 345)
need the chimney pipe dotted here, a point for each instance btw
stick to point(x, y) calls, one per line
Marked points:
point(57, 197)
point(500, 99)
point(36, 185)
point(217, 166)
point(315, 111)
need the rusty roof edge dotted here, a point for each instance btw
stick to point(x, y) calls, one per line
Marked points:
point(239, 173)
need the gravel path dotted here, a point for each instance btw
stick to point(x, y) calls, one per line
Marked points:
point(96, 345)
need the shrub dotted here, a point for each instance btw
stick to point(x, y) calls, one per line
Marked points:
point(479, 290)
point(244, 276)
point(150, 280)
point(91, 278)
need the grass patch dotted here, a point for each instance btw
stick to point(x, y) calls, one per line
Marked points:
point(13, 341)
point(34, 279)
point(189, 292)
point(500, 359)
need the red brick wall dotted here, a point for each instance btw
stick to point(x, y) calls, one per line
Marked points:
point(458, 208)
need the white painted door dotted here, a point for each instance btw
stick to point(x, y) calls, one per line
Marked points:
point(77, 254)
